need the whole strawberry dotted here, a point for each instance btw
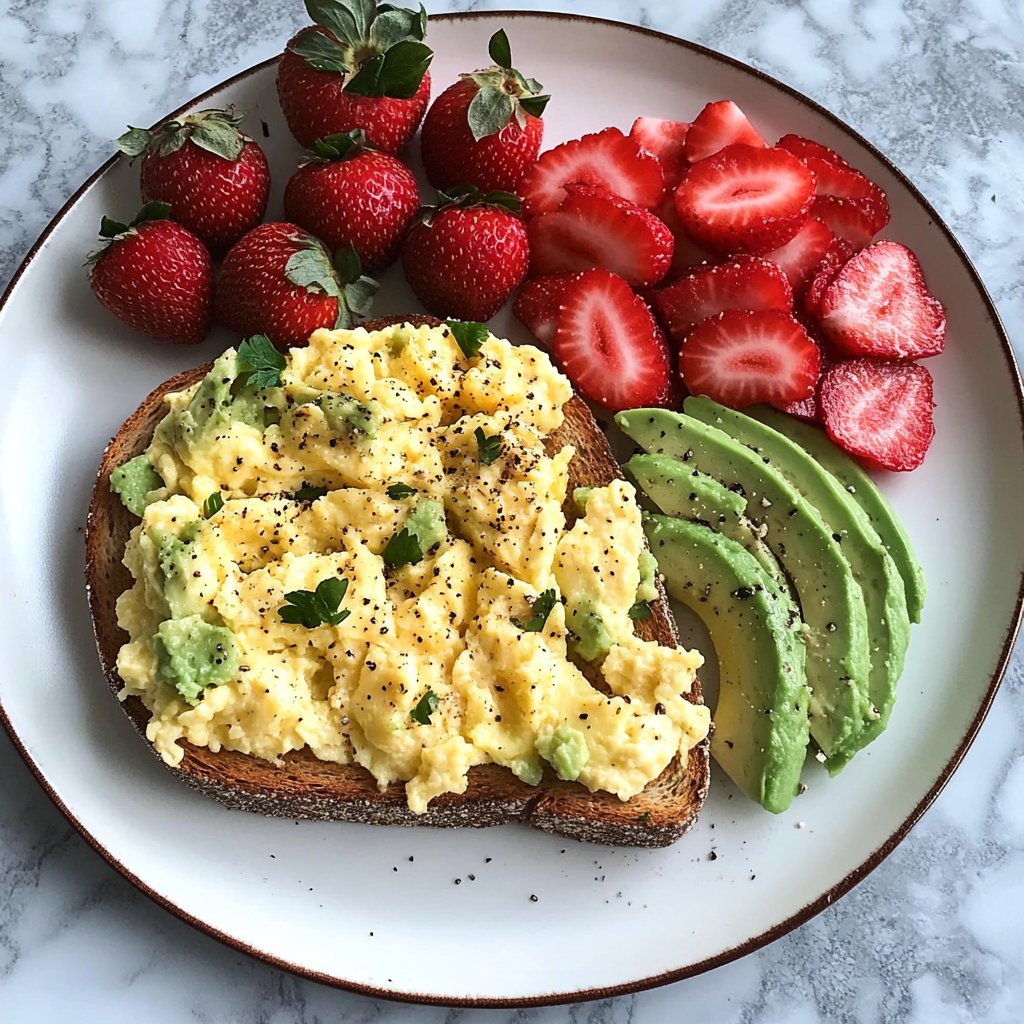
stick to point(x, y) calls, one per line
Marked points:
point(360, 66)
point(465, 257)
point(281, 281)
point(215, 178)
point(348, 194)
point(155, 276)
point(486, 129)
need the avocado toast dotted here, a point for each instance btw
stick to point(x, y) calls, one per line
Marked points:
point(303, 786)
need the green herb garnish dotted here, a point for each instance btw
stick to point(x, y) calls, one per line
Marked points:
point(490, 447)
point(396, 492)
point(258, 358)
point(312, 608)
point(541, 607)
point(213, 504)
point(403, 549)
point(310, 493)
point(470, 335)
point(425, 707)
point(640, 610)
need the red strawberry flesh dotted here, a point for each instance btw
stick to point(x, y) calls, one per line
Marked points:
point(879, 411)
point(838, 252)
point(718, 125)
point(595, 229)
point(539, 302)
point(801, 256)
point(744, 283)
point(607, 160)
point(856, 220)
point(610, 346)
point(665, 140)
point(740, 358)
point(878, 305)
point(745, 199)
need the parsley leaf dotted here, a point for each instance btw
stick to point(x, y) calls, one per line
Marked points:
point(312, 608)
point(640, 610)
point(469, 334)
point(425, 707)
point(258, 358)
point(213, 504)
point(403, 549)
point(490, 447)
point(541, 610)
point(310, 493)
point(396, 492)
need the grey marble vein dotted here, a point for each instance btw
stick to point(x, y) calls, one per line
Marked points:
point(933, 935)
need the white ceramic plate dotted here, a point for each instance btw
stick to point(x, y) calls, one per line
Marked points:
point(450, 916)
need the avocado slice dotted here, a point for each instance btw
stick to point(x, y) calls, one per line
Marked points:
point(761, 724)
point(831, 601)
point(863, 490)
point(873, 567)
point(685, 493)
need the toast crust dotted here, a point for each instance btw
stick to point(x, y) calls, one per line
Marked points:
point(305, 787)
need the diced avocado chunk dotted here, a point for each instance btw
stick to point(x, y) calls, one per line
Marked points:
point(583, 619)
point(761, 724)
point(647, 590)
point(872, 566)
point(529, 772)
point(863, 490)
point(580, 496)
point(565, 749)
point(193, 654)
point(831, 600)
point(134, 482)
point(176, 554)
point(427, 524)
point(345, 415)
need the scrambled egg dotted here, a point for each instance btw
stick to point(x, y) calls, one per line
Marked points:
point(418, 477)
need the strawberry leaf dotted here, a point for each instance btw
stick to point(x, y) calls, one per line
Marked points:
point(359, 297)
point(218, 137)
point(134, 142)
point(151, 211)
point(499, 49)
point(346, 19)
point(310, 268)
point(534, 104)
point(348, 265)
point(111, 228)
point(321, 53)
point(391, 27)
point(397, 73)
point(341, 145)
point(504, 200)
point(489, 111)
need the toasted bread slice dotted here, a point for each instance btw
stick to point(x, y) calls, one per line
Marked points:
point(305, 787)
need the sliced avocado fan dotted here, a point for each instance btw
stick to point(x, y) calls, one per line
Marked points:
point(761, 724)
point(873, 568)
point(831, 600)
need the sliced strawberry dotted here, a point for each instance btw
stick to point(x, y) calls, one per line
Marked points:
point(610, 346)
point(838, 252)
point(809, 409)
point(593, 228)
point(808, 148)
point(801, 256)
point(745, 199)
point(740, 358)
point(878, 305)
point(879, 411)
point(748, 282)
point(718, 125)
point(664, 140)
point(687, 254)
point(856, 220)
point(538, 303)
point(607, 160)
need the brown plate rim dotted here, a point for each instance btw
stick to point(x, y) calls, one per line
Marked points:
point(812, 908)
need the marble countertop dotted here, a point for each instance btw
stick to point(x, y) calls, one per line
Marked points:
point(932, 936)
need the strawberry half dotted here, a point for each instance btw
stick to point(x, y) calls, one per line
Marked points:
point(838, 252)
point(607, 160)
point(745, 283)
point(593, 228)
point(801, 256)
point(745, 199)
point(809, 149)
point(878, 305)
point(609, 345)
point(856, 220)
point(539, 304)
point(833, 175)
point(879, 411)
point(718, 125)
point(740, 358)
point(664, 140)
